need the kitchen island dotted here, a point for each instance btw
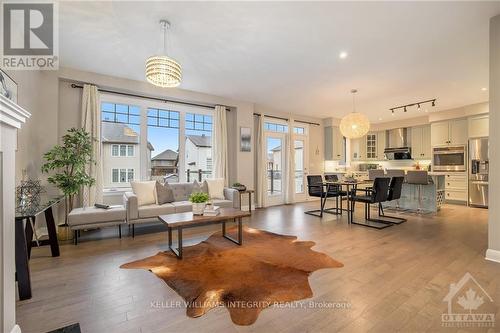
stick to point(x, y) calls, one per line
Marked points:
point(432, 194)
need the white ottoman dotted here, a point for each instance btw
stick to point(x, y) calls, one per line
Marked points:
point(93, 217)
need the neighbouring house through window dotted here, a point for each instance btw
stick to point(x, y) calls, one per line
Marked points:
point(148, 140)
point(121, 175)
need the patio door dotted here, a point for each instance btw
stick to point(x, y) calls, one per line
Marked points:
point(276, 164)
point(300, 168)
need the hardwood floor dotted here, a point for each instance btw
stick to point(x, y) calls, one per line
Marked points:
point(394, 279)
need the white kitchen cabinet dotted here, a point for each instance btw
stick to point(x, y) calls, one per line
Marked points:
point(334, 144)
point(380, 145)
point(371, 146)
point(358, 149)
point(456, 186)
point(426, 143)
point(451, 132)
point(421, 142)
point(458, 132)
point(375, 146)
point(479, 126)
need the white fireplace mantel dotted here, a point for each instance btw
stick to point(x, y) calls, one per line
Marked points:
point(12, 117)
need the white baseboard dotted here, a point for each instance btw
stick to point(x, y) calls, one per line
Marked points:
point(493, 255)
point(16, 329)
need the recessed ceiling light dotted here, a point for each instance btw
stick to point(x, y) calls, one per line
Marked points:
point(380, 118)
point(343, 55)
point(426, 110)
point(484, 89)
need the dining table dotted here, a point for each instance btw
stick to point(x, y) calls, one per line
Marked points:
point(350, 187)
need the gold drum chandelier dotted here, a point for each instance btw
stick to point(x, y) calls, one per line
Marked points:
point(355, 124)
point(161, 70)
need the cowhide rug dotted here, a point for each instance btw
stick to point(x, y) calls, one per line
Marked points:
point(267, 269)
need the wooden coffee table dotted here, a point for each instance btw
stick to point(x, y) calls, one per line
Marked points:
point(181, 221)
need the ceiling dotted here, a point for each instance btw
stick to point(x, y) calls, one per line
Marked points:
point(285, 55)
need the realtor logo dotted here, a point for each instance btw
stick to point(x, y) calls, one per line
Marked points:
point(29, 35)
point(469, 305)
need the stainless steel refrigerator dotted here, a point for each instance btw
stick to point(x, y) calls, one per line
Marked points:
point(478, 172)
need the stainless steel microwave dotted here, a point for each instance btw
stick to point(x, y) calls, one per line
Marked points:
point(452, 158)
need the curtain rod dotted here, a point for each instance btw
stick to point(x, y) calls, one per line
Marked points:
point(286, 119)
point(208, 106)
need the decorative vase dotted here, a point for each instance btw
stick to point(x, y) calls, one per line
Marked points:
point(198, 208)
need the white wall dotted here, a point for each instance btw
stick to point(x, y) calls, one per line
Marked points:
point(493, 252)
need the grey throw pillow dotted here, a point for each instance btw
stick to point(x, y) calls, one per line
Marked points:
point(197, 187)
point(164, 193)
point(204, 187)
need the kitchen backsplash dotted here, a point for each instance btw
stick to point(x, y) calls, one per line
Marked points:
point(331, 166)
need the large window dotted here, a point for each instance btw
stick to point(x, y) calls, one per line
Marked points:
point(198, 143)
point(147, 140)
point(163, 137)
point(121, 139)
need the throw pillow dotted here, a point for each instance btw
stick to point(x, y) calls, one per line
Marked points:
point(196, 187)
point(203, 187)
point(216, 188)
point(145, 192)
point(164, 193)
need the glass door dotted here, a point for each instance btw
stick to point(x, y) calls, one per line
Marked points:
point(300, 173)
point(275, 168)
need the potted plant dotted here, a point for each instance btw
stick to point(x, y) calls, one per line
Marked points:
point(68, 160)
point(240, 187)
point(199, 201)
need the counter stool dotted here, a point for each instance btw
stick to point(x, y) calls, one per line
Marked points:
point(418, 178)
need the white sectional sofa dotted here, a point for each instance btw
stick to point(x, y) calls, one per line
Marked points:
point(149, 213)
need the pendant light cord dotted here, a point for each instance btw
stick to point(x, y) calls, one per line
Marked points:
point(353, 92)
point(164, 25)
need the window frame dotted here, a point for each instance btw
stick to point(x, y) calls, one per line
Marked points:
point(144, 104)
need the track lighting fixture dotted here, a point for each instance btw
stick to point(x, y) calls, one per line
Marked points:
point(417, 104)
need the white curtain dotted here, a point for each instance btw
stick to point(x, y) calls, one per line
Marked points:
point(219, 144)
point(91, 122)
point(261, 163)
point(290, 164)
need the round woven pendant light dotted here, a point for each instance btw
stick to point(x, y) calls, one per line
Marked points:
point(355, 124)
point(161, 70)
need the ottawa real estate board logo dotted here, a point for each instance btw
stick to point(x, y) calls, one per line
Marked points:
point(29, 35)
point(469, 305)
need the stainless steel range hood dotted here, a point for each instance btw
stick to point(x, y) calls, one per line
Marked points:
point(398, 143)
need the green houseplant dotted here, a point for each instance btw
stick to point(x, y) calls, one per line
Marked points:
point(240, 187)
point(199, 201)
point(67, 162)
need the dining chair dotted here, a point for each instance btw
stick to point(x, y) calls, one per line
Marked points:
point(315, 188)
point(395, 190)
point(376, 194)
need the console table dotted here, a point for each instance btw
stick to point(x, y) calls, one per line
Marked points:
point(24, 230)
